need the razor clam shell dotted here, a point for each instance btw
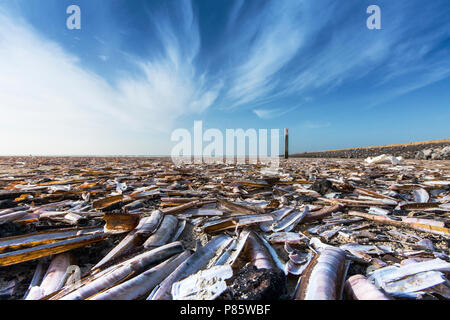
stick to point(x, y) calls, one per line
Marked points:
point(166, 231)
point(150, 224)
point(434, 223)
point(381, 201)
point(119, 273)
point(201, 212)
point(104, 203)
point(436, 183)
point(258, 254)
point(15, 209)
point(225, 256)
point(416, 282)
point(416, 226)
point(279, 264)
point(242, 208)
point(288, 248)
point(12, 216)
point(359, 288)
point(323, 213)
point(71, 287)
point(146, 226)
point(277, 215)
point(39, 238)
point(290, 221)
point(220, 252)
point(294, 268)
point(430, 265)
point(194, 263)
point(181, 208)
point(240, 244)
point(393, 273)
point(300, 258)
point(296, 265)
point(328, 234)
point(426, 243)
point(358, 256)
point(40, 251)
point(378, 211)
point(180, 228)
point(140, 285)
point(421, 195)
point(324, 277)
point(369, 249)
point(236, 221)
point(318, 245)
point(285, 237)
point(37, 277)
point(56, 274)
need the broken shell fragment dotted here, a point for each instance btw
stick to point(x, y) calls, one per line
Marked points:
point(107, 203)
point(120, 222)
point(204, 285)
point(285, 237)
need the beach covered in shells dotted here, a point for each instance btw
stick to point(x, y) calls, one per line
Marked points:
point(123, 228)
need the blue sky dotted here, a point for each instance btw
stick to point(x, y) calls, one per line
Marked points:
point(138, 69)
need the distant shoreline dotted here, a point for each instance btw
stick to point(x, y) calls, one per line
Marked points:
point(406, 150)
point(385, 146)
point(408, 146)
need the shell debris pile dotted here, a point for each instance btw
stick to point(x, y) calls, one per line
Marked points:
point(105, 228)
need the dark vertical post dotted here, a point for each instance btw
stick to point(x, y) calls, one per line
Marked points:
point(286, 143)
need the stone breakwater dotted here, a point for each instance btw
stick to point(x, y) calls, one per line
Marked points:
point(421, 151)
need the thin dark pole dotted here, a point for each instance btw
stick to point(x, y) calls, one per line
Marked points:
point(286, 143)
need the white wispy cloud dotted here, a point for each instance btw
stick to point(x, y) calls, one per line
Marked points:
point(270, 51)
point(49, 101)
point(309, 124)
point(171, 85)
point(298, 48)
point(272, 113)
point(45, 94)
